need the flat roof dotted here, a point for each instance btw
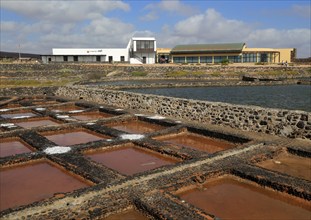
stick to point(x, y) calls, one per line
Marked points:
point(209, 48)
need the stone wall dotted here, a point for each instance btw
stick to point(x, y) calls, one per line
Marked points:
point(288, 123)
point(210, 71)
point(28, 91)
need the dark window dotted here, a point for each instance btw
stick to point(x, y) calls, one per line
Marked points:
point(75, 58)
point(234, 59)
point(144, 45)
point(144, 60)
point(179, 59)
point(192, 59)
point(263, 57)
point(65, 58)
point(50, 59)
point(206, 59)
point(110, 59)
point(250, 58)
point(219, 59)
point(122, 59)
point(98, 59)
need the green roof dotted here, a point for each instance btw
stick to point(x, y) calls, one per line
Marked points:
point(208, 48)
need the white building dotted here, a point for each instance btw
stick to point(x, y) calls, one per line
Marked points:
point(140, 50)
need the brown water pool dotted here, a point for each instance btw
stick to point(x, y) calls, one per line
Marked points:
point(23, 185)
point(67, 138)
point(289, 164)
point(129, 160)
point(10, 105)
point(91, 116)
point(43, 102)
point(36, 123)
point(65, 108)
point(136, 127)
point(228, 198)
point(197, 142)
point(127, 215)
point(19, 115)
point(12, 146)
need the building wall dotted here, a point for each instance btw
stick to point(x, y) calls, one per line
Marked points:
point(248, 55)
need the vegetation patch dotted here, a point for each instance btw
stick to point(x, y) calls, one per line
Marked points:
point(177, 73)
point(8, 83)
point(95, 76)
point(139, 73)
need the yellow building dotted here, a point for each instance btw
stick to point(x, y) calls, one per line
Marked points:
point(232, 52)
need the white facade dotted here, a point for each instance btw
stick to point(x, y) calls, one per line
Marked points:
point(138, 51)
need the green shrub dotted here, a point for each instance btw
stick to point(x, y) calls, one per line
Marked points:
point(225, 62)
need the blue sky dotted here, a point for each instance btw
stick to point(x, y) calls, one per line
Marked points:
point(40, 25)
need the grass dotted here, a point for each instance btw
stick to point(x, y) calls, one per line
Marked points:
point(178, 73)
point(9, 83)
point(139, 73)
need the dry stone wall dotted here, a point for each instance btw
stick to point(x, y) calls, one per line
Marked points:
point(288, 123)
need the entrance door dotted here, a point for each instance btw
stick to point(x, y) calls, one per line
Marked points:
point(263, 57)
point(144, 59)
point(98, 59)
point(110, 59)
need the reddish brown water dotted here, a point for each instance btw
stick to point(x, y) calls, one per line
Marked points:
point(10, 106)
point(136, 127)
point(24, 114)
point(36, 123)
point(43, 102)
point(230, 199)
point(127, 215)
point(65, 108)
point(23, 185)
point(91, 116)
point(289, 164)
point(197, 142)
point(130, 160)
point(74, 137)
point(9, 147)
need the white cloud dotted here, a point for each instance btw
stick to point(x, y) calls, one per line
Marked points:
point(8, 26)
point(66, 11)
point(212, 27)
point(293, 38)
point(302, 10)
point(168, 6)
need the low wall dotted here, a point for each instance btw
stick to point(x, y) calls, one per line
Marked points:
point(288, 123)
point(28, 91)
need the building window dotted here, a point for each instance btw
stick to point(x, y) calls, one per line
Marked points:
point(179, 59)
point(206, 59)
point(65, 58)
point(250, 58)
point(219, 59)
point(98, 58)
point(234, 59)
point(122, 59)
point(110, 59)
point(50, 59)
point(192, 59)
point(145, 45)
point(75, 58)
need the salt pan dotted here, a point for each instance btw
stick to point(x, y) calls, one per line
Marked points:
point(132, 136)
point(57, 150)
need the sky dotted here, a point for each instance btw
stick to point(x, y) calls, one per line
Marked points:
point(37, 26)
